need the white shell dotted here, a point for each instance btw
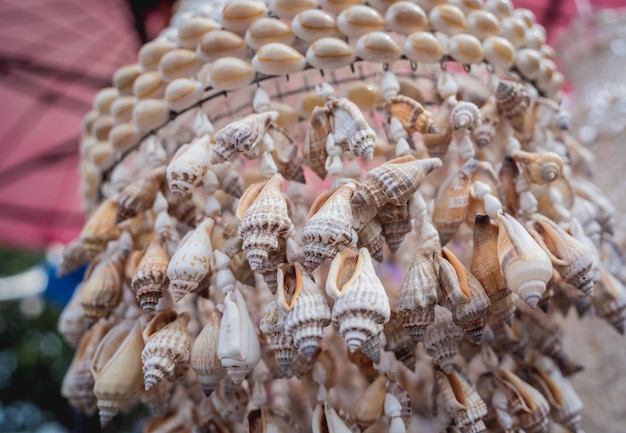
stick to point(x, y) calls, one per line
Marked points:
point(220, 43)
point(278, 59)
point(266, 30)
point(423, 47)
point(313, 24)
point(404, 17)
point(499, 52)
point(329, 53)
point(466, 49)
point(483, 24)
point(122, 109)
point(190, 31)
point(287, 9)
point(358, 20)
point(188, 167)
point(230, 73)
point(179, 63)
point(528, 62)
point(514, 30)
point(237, 15)
point(378, 47)
point(447, 19)
point(182, 93)
point(149, 114)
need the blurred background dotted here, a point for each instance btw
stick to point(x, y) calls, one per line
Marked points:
point(56, 54)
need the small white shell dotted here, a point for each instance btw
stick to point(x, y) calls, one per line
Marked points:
point(423, 47)
point(547, 69)
point(535, 37)
point(313, 24)
point(103, 100)
point(190, 31)
point(287, 9)
point(483, 24)
point(336, 6)
point(500, 8)
point(122, 109)
point(278, 59)
point(404, 17)
point(266, 30)
point(358, 20)
point(182, 93)
point(466, 49)
point(149, 114)
point(124, 136)
point(239, 14)
point(447, 19)
point(499, 52)
point(180, 63)
point(468, 6)
point(329, 53)
point(378, 47)
point(230, 73)
point(221, 43)
point(124, 77)
point(528, 62)
point(149, 85)
point(150, 54)
point(514, 30)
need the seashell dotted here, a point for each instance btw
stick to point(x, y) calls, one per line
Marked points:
point(287, 9)
point(191, 31)
point(315, 141)
point(150, 276)
point(460, 401)
point(151, 53)
point(190, 264)
point(378, 47)
point(238, 348)
point(571, 258)
point(264, 218)
point(540, 167)
point(466, 49)
point(116, 368)
point(365, 95)
point(325, 419)
point(441, 340)
point(178, 63)
point(278, 58)
point(465, 115)
point(72, 324)
point(230, 73)
point(124, 137)
point(512, 101)
point(420, 290)
point(369, 407)
point(270, 265)
point(499, 52)
point(371, 237)
point(285, 154)
point(139, 195)
point(238, 15)
point(124, 78)
point(405, 18)
point(122, 109)
point(266, 30)
point(217, 44)
point(103, 100)
point(241, 137)
point(268, 420)
point(399, 341)
point(395, 222)
point(528, 62)
point(610, 300)
point(484, 133)
point(394, 181)
point(486, 268)
point(447, 19)
point(188, 167)
point(150, 114)
point(411, 114)
point(182, 93)
point(514, 30)
point(422, 47)
point(361, 302)
point(204, 360)
point(356, 21)
point(272, 324)
point(526, 267)
point(99, 229)
point(329, 53)
point(313, 24)
point(500, 8)
point(167, 347)
point(483, 24)
point(328, 226)
point(350, 127)
point(102, 289)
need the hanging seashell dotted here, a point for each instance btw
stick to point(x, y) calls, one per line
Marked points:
point(178, 63)
point(313, 24)
point(188, 167)
point(465, 115)
point(124, 77)
point(218, 44)
point(405, 18)
point(460, 401)
point(272, 324)
point(351, 128)
point(361, 302)
point(541, 167)
point(394, 181)
point(483, 24)
point(149, 85)
point(237, 16)
point(399, 341)
point(395, 222)
point(325, 419)
point(328, 226)
point(423, 47)
point(182, 93)
point(268, 30)
point(116, 368)
point(204, 360)
point(230, 73)
point(610, 300)
point(150, 277)
point(72, 324)
point(278, 59)
point(238, 348)
point(241, 137)
point(526, 267)
point(356, 21)
point(512, 101)
point(329, 53)
point(167, 348)
point(190, 31)
point(99, 230)
point(190, 264)
point(466, 49)
point(308, 312)
point(285, 155)
point(499, 52)
point(264, 218)
point(102, 290)
point(441, 340)
point(270, 265)
point(151, 53)
point(411, 114)
point(378, 47)
point(139, 196)
point(315, 141)
point(369, 407)
point(371, 237)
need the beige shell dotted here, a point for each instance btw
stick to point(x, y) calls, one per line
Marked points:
point(441, 340)
point(167, 347)
point(151, 53)
point(610, 300)
point(350, 127)
point(287, 9)
point(371, 237)
point(149, 114)
point(191, 31)
point(264, 218)
point(499, 52)
point(329, 53)
point(150, 276)
point(361, 304)
point(399, 341)
point(512, 101)
point(325, 419)
point(484, 133)
point(188, 167)
point(395, 222)
point(267, 30)
point(313, 24)
point(272, 324)
point(465, 115)
point(405, 18)
point(182, 93)
point(466, 49)
point(124, 78)
point(378, 47)
point(139, 195)
point(411, 114)
point(204, 360)
point(220, 43)
point(190, 264)
point(241, 137)
point(238, 348)
point(369, 407)
point(315, 142)
point(116, 368)
point(541, 167)
point(394, 181)
point(149, 85)
point(72, 324)
point(99, 229)
point(179, 63)
point(483, 24)
point(102, 290)
point(278, 58)
point(238, 15)
point(308, 313)
point(486, 268)
point(122, 109)
point(437, 143)
point(285, 155)
point(356, 21)
point(526, 267)
point(527, 61)
point(447, 19)
point(423, 47)
point(269, 266)
point(230, 73)
point(460, 401)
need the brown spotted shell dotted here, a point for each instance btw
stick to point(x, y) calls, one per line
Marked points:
point(315, 141)
point(187, 168)
point(139, 196)
point(242, 136)
point(151, 275)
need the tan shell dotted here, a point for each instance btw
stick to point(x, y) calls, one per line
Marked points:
point(356, 21)
point(102, 290)
point(191, 31)
point(361, 304)
point(484, 133)
point(512, 101)
point(351, 128)
point(268, 267)
point(447, 19)
point(99, 229)
point(278, 58)
point(124, 77)
point(190, 264)
point(371, 237)
point(508, 175)
point(441, 340)
point(437, 143)
point(219, 44)
point(264, 218)
point(460, 401)
point(150, 277)
point(423, 47)
point(369, 407)
point(315, 141)
point(328, 226)
point(313, 24)
point(149, 85)
point(541, 167)
point(394, 181)
point(330, 53)
point(465, 115)
point(272, 324)
point(204, 360)
point(139, 195)
point(237, 16)
point(151, 53)
point(466, 49)
point(399, 341)
point(188, 167)
point(411, 114)
point(395, 222)
point(116, 368)
point(285, 155)
point(72, 324)
point(241, 137)
point(610, 300)
point(178, 63)
point(405, 18)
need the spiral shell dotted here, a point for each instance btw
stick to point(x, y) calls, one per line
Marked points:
point(395, 222)
point(541, 167)
point(399, 341)
point(264, 218)
point(361, 304)
point(167, 348)
point(139, 196)
point(99, 230)
point(465, 115)
point(512, 101)
point(411, 114)
point(102, 290)
point(460, 401)
point(241, 137)
point(371, 237)
point(272, 324)
point(484, 133)
point(351, 128)
point(329, 225)
point(188, 167)
point(441, 340)
point(150, 276)
point(203, 359)
point(394, 181)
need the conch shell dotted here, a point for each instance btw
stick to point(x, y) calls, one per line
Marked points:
point(395, 222)
point(527, 268)
point(399, 341)
point(188, 167)
point(371, 237)
point(328, 227)
point(461, 401)
point(610, 300)
point(167, 349)
point(411, 114)
point(191, 262)
point(238, 348)
point(272, 324)
point(204, 360)
point(264, 218)
point(350, 127)
point(512, 101)
point(116, 368)
point(99, 229)
point(441, 340)
point(139, 196)
point(484, 133)
point(150, 276)
point(465, 115)
point(540, 167)
point(315, 142)
point(369, 407)
point(394, 181)
point(361, 304)
point(241, 137)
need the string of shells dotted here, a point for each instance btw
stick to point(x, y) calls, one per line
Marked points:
point(287, 199)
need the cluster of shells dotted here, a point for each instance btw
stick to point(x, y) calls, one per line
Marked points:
point(433, 200)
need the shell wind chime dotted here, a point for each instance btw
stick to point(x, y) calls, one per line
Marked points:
point(294, 195)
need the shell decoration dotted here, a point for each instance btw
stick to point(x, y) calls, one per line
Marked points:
point(187, 168)
point(350, 127)
point(150, 277)
point(541, 167)
point(272, 324)
point(241, 137)
point(203, 359)
point(461, 402)
point(441, 340)
point(315, 141)
point(395, 222)
point(139, 196)
point(411, 114)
